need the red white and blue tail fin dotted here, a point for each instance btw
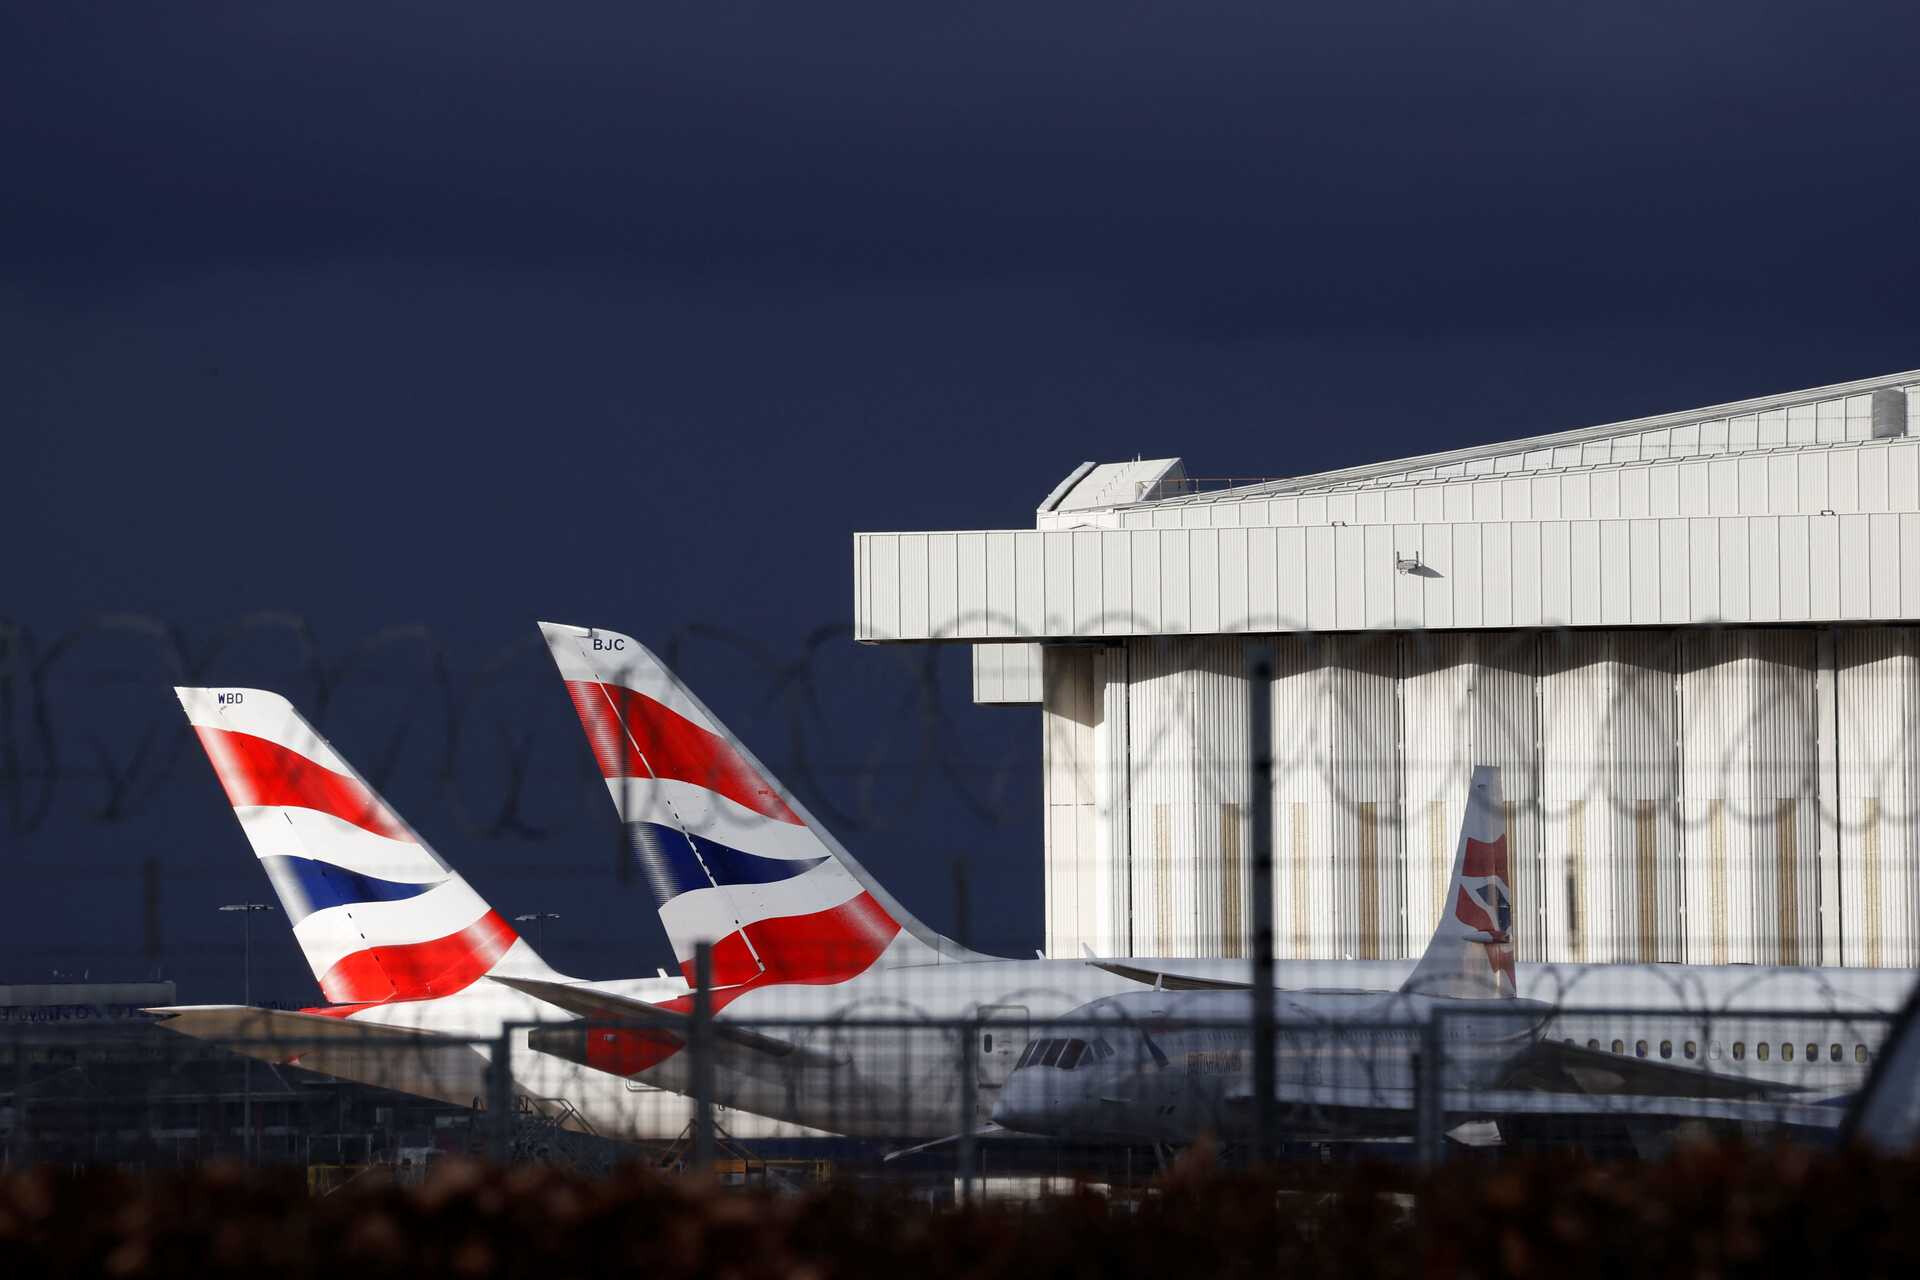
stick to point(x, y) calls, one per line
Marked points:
point(377, 914)
point(1471, 955)
point(731, 856)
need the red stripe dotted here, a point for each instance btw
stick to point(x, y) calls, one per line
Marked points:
point(818, 949)
point(627, 1052)
point(1486, 858)
point(419, 970)
point(256, 771)
point(634, 736)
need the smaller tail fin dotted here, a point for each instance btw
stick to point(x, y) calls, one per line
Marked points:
point(376, 912)
point(1471, 955)
point(732, 856)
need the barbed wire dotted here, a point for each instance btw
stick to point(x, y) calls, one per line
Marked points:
point(52, 739)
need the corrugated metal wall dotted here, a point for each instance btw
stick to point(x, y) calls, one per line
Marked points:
point(1879, 720)
point(1338, 884)
point(1609, 717)
point(1665, 792)
point(1187, 795)
point(1849, 567)
point(1749, 797)
point(1469, 699)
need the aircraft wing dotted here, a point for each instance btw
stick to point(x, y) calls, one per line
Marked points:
point(1166, 980)
point(1372, 1103)
point(1775, 1112)
point(589, 1003)
point(406, 1060)
point(1557, 1067)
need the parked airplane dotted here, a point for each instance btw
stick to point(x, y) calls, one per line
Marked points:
point(414, 959)
point(1167, 1067)
point(401, 946)
point(807, 944)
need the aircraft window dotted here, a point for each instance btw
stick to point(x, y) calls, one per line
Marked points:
point(1052, 1052)
point(1593, 1044)
point(1786, 1052)
point(1639, 1048)
point(1761, 1050)
point(986, 1043)
point(1026, 1054)
point(1070, 1056)
point(1690, 1049)
point(1859, 1053)
point(1833, 1053)
point(1666, 1048)
point(1813, 1052)
point(1713, 1050)
point(1739, 1050)
point(1619, 1047)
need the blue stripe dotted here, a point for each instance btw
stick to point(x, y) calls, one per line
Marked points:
point(668, 858)
point(306, 886)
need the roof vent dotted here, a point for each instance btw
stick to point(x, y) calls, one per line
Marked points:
point(1889, 412)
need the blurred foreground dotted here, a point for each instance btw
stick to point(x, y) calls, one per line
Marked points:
point(1705, 1211)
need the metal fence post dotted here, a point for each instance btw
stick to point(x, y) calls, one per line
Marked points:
point(965, 1152)
point(500, 1098)
point(1260, 891)
point(701, 1055)
point(1428, 1068)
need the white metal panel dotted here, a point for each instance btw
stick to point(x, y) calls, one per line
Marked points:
point(883, 585)
point(1853, 564)
point(943, 580)
point(1703, 570)
point(1089, 581)
point(1232, 578)
point(1556, 573)
point(1143, 554)
point(1497, 578)
point(1113, 569)
point(913, 585)
point(970, 582)
point(1676, 571)
point(1263, 589)
point(1001, 594)
point(1030, 585)
point(1643, 571)
point(1203, 584)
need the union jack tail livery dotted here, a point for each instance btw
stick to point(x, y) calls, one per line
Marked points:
point(379, 917)
point(731, 856)
point(1471, 954)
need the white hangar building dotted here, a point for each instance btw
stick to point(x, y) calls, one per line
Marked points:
point(1690, 640)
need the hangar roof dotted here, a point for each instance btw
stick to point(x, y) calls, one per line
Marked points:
point(1866, 409)
point(1797, 507)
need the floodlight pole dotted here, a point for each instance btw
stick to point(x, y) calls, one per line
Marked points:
point(539, 921)
point(1260, 890)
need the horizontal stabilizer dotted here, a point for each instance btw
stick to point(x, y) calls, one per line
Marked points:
point(602, 1006)
point(403, 1059)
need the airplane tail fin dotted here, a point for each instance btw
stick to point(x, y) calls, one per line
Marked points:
point(376, 912)
point(1471, 954)
point(732, 856)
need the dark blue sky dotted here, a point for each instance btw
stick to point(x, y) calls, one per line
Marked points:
point(454, 316)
